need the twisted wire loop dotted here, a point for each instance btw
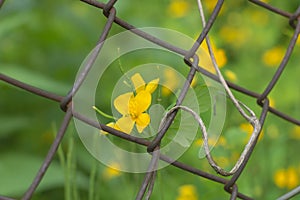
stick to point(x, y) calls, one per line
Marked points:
point(192, 61)
point(251, 119)
point(209, 157)
point(164, 126)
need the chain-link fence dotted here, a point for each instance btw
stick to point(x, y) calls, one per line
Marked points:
point(192, 62)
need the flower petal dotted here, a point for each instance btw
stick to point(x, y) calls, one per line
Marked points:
point(152, 85)
point(125, 124)
point(140, 103)
point(121, 103)
point(138, 82)
point(142, 121)
point(110, 124)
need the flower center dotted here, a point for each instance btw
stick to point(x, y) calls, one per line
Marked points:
point(133, 109)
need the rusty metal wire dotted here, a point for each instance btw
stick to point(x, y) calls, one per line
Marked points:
point(191, 60)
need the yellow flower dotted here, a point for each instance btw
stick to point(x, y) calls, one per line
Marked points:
point(199, 142)
point(298, 41)
point(293, 177)
point(279, 178)
point(140, 85)
point(170, 84)
point(133, 107)
point(273, 57)
point(112, 125)
point(235, 36)
point(230, 75)
point(194, 81)
point(288, 178)
point(211, 4)
point(259, 18)
point(178, 8)
point(223, 161)
point(222, 141)
point(205, 60)
point(212, 141)
point(187, 192)
point(246, 127)
point(271, 102)
point(295, 134)
point(112, 171)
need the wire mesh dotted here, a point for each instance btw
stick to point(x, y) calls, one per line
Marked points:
point(230, 185)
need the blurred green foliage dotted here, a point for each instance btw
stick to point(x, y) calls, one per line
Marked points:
point(43, 44)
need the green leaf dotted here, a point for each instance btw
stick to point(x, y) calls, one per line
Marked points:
point(203, 97)
point(8, 24)
point(12, 124)
point(17, 171)
point(33, 78)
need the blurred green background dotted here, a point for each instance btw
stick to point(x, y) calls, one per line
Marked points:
point(43, 43)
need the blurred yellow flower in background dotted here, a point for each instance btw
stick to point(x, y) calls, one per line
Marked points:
point(222, 161)
point(271, 102)
point(247, 128)
point(259, 17)
point(230, 75)
point(170, 83)
point(194, 81)
point(133, 107)
point(205, 60)
point(112, 171)
point(199, 142)
point(210, 5)
point(273, 56)
point(178, 8)
point(295, 134)
point(280, 178)
point(235, 36)
point(221, 141)
point(187, 192)
point(287, 178)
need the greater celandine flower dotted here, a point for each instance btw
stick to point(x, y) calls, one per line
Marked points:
point(133, 106)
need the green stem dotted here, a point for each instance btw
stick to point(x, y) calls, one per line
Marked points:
point(103, 113)
point(93, 173)
point(62, 160)
point(92, 180)
point(123, 71)
point(70, 169)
